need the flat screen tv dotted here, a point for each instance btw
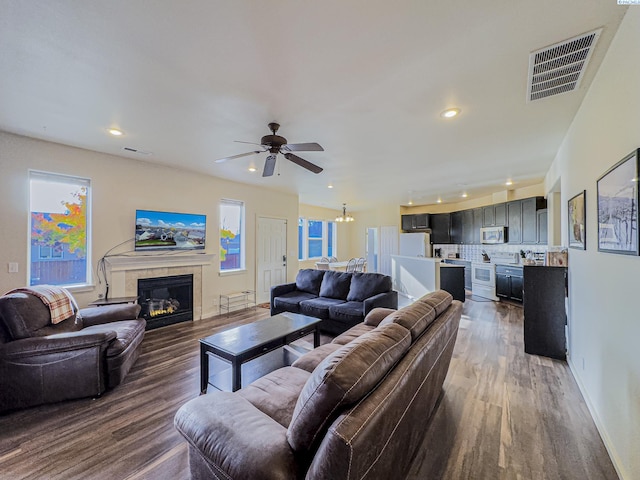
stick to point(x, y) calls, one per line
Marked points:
point(169, 231)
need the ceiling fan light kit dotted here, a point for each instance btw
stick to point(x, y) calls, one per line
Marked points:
point(345, 217)
point(275, 144)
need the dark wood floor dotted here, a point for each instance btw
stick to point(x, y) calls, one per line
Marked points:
point(503, 414)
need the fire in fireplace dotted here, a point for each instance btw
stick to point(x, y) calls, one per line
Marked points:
point(166, 300)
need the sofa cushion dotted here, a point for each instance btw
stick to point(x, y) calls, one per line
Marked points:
point(375, 316)
point(440, 300)
point(276, 393)
point(366, 285)
point(335, 285)
point(351, 334)
point(415, 318)
point(310, 360)
point(318, 307)
point(291, 301)
point(348, 312)
point(23, 314)
point(343, 378)
point(127, 331)
point(309, 280)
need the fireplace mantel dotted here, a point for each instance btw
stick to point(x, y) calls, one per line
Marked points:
point(145, 262)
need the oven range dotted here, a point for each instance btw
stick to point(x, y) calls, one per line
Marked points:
point(483, 274)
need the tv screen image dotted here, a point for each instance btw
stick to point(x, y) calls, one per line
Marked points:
point(169, 231)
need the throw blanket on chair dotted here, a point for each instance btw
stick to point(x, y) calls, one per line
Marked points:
point(60, 302)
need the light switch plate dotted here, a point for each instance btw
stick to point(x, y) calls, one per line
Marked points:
point(13, 267)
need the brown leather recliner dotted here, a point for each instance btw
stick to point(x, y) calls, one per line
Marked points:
point(41, 362)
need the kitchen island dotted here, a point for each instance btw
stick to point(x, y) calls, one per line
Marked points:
point(414, 277)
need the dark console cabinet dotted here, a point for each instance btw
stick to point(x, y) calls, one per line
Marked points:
point(544, 311)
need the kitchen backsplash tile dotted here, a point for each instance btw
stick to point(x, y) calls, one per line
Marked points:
point(473, 253)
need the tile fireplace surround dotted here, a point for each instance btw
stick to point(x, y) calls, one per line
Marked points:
point(124, 271)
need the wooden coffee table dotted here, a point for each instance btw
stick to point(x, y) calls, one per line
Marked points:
point(244, 343)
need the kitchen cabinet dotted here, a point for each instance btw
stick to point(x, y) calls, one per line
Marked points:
point(514, 220)
point(467, 270)
point(440, 226)
point(545, 315)
point(494, 215)
point(542, 224)
point(530, 208)
point(509, 282)
point(468, 227)
point(452, 281)
point(415, 222)
point(477, 225)
point(456, 227)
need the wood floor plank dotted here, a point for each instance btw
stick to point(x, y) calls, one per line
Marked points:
point(503, 414)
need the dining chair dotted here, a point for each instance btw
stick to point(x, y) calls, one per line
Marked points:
point(351, 265)
point(360, 264)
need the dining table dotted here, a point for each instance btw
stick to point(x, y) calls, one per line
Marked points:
point(334, 265)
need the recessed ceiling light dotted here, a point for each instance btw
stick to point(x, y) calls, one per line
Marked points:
point(439, 200)
point(450, 112)
point(410, 202)
point(464, 195)
point(115, 132)
point(252, 168)
point(508, 183)
point(330, 185)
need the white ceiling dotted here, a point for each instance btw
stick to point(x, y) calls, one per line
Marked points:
point(365, 79)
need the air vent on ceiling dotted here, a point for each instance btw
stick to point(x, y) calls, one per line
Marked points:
point(560, 67)
point(135, 150)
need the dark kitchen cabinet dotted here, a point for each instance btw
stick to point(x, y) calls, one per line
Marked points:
point(468, 227)
point(494, 215)
point(509, 282)
point(415, 222)
point(545, 315)
point(530, 220)
point(456, 227)
point(541, 215)
point(440, 226)
point(467, 270)
point(514, 220)
point(477, 225)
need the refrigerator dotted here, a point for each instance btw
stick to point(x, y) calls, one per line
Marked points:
point(415, 244)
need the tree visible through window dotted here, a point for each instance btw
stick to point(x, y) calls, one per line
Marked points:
point(59, 221)
point(231, 235)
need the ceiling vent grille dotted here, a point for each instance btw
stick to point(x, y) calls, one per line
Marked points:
point(560, 67)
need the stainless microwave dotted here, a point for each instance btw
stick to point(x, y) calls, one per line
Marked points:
point(493, 235)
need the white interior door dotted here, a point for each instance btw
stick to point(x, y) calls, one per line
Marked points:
point(271, 256)
point(372, 249)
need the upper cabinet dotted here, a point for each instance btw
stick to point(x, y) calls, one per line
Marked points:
point(440, 225)
point(494, 215)
point(456, 227)
point(416, 222)
point(524, 222)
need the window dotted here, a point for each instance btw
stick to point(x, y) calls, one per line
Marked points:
point(231, 235)
point(316, 239)
point(59, 252)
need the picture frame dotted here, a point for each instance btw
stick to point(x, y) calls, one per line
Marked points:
point(617, 198)
point(577, 207)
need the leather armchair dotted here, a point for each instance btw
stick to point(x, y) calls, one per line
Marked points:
point(42, 363)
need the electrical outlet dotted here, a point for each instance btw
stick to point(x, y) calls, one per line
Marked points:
point(13, 267)
point(100, 296)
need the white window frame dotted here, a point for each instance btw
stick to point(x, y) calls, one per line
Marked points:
point(243, 256)
point(325, 236)
point(81, 181)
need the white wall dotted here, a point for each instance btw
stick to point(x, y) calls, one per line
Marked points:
point(119, 187)
point(604, 317)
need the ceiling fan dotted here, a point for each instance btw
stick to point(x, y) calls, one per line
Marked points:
point(275, 144)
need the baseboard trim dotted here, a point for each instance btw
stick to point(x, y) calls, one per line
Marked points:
point(617, 464)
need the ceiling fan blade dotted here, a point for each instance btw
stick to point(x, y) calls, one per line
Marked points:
point(302, 162)
point(249, 143)
point(269, 166)
point(220, 160)
point(302, 147)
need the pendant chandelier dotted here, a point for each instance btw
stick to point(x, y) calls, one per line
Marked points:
point(345, 217)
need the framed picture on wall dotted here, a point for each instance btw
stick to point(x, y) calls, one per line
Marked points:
point(577, 226)
point(618, 207)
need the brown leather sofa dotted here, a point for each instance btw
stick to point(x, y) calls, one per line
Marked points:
point(355, 408)
point(42, 363)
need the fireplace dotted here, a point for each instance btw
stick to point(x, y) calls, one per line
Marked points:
point(166, 300)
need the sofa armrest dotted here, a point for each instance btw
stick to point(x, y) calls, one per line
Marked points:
point(386, 300)
point(109, 313)
point(278, 290)
point(236, 438)
point(60, 342)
